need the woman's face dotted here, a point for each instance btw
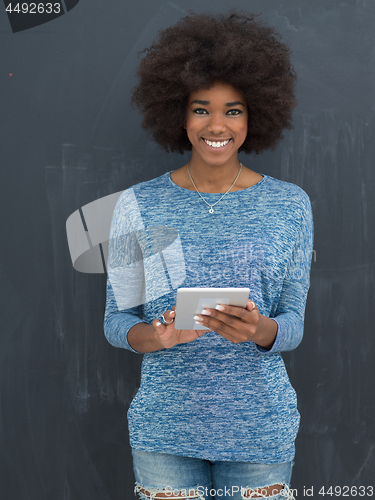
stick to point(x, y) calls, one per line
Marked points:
point(216, 123)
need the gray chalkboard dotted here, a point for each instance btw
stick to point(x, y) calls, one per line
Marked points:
point(69, 138)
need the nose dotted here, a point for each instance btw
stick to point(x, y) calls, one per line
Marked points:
point(216, 123)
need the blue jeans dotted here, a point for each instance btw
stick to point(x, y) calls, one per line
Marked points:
point(183, 478)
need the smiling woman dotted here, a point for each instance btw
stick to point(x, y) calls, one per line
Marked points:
point(215, 411)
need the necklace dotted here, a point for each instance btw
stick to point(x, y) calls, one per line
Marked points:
point(211, 210)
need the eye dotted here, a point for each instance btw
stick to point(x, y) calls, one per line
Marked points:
point(199, 111)
point(234, 112)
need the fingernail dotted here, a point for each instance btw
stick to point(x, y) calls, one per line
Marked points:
point(205, 311)
point(157, 323)
point(220, 308)
point(197, 318)
point(172, 313)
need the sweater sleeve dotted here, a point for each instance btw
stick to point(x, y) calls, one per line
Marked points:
point(290, 311)
point(125, 280)
point(118, 323)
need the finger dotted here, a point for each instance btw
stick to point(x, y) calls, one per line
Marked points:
point(168, 316)
point(238, 312)
point(250, 306)
point(215, 320)
point(230, 319)
point(229, 332)
point(231, 328)
point(160, 328)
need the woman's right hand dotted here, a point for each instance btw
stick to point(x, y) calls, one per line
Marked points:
point(168, 336)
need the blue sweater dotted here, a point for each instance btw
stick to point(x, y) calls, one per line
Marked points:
point(211, 398)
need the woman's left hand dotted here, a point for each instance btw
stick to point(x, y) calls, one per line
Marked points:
point(239, 324)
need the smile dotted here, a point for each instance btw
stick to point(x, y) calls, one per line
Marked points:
point(216, 144)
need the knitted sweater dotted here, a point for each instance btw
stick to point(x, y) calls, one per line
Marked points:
point(211, 398)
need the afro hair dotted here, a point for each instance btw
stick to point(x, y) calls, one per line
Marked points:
point(202, 49)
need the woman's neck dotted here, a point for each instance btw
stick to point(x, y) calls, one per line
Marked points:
point(213, 178)
point(216, 182)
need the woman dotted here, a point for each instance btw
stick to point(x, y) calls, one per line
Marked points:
point(215, 415)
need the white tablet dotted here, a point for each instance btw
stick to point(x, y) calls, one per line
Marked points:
point(191, 301)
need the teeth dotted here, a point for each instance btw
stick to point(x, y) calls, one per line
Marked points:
point(216, 144)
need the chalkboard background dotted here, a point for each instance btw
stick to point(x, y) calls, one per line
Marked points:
point(69, 137)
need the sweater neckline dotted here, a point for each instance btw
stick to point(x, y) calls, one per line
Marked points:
point(254, 186)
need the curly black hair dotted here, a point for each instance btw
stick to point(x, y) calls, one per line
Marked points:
point(202, 49)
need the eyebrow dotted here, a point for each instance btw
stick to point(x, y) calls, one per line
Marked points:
point(206, 103)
